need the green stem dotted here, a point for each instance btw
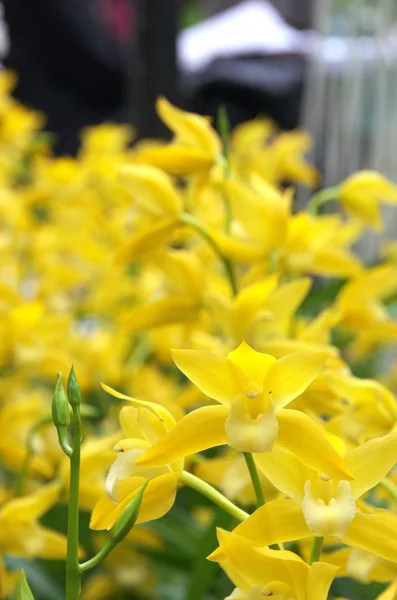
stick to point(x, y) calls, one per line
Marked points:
point(224, 130)
point(99, 557)
point(253, 471)
point(316, 550)
point(73, 578)
point(63, 440)
point(226, 199)
point(321, 198)
point(212, 494)
point(390, 487)
point(188, 219)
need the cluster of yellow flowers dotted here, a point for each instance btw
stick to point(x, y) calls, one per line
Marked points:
point(110, 259)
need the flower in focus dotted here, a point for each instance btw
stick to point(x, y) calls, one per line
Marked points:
point(324, 506)
point(142, 427)
point(260, 572)
point(253, 390)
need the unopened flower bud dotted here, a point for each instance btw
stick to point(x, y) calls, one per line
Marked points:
point(128, 517)
point(73, 389)
point(60, 405)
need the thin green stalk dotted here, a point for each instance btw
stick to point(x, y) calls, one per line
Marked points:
point(188, 219)
point(73, 577)
point(99, 557)
point(226, 202)
point(212, 494)
point(224, 130)
point(119, 531)
point(253, 471)
point(321, 198)
point(315, 553)
point(390, 487)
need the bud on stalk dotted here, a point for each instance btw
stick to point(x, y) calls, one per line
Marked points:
point(60, 405)
point(61, 415)
point(128, 517)
point(73, 389)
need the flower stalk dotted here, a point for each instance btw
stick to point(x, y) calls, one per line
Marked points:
point(119, 531)
point(253, 471)
point(322, 197)
point(315, 553)
point(195, 224)
point(73, 575)
point(212, 494)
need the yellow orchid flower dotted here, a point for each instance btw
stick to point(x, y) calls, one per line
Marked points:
point(158, 202)
point(107, 139)
point(97, 455)
point(277, 157)
point(195, 148)
point(362, 193)
point(300, 333)
point(260, 220)
point(260, 572)
point(360, 308)
point(327, 507)
point(250, 137)
point(319, 245)
point(22, 535)
point(289, 150)
point(361, 565)
point(320, 398)
point(262, 310)
point(253, 390)
point(149, 382)
point(300, 243)
point(370, 409)
point(18, 417)
point(182, 287)
point(142, 427)
point(8, 580)
point(390, 593)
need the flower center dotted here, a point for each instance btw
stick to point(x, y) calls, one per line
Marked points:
point(277, 590)
point(330, 512)
point(124, 466)
point(252, 425)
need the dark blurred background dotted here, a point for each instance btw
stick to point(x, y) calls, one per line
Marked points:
point(87, 61)
point(329, 66)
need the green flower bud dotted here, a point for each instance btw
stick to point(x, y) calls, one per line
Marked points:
point(73, 389)
point(60, 405)
point(128, 517)
point(23, 591)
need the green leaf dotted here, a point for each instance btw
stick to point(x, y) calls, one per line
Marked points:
point(173, 527)
point(204, 573)
point(23, 591)
point(45, 586)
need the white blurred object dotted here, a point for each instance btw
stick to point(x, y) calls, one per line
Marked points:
point(349, 99)
point(252, 27)
point(4, 37)
point(256, 27)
